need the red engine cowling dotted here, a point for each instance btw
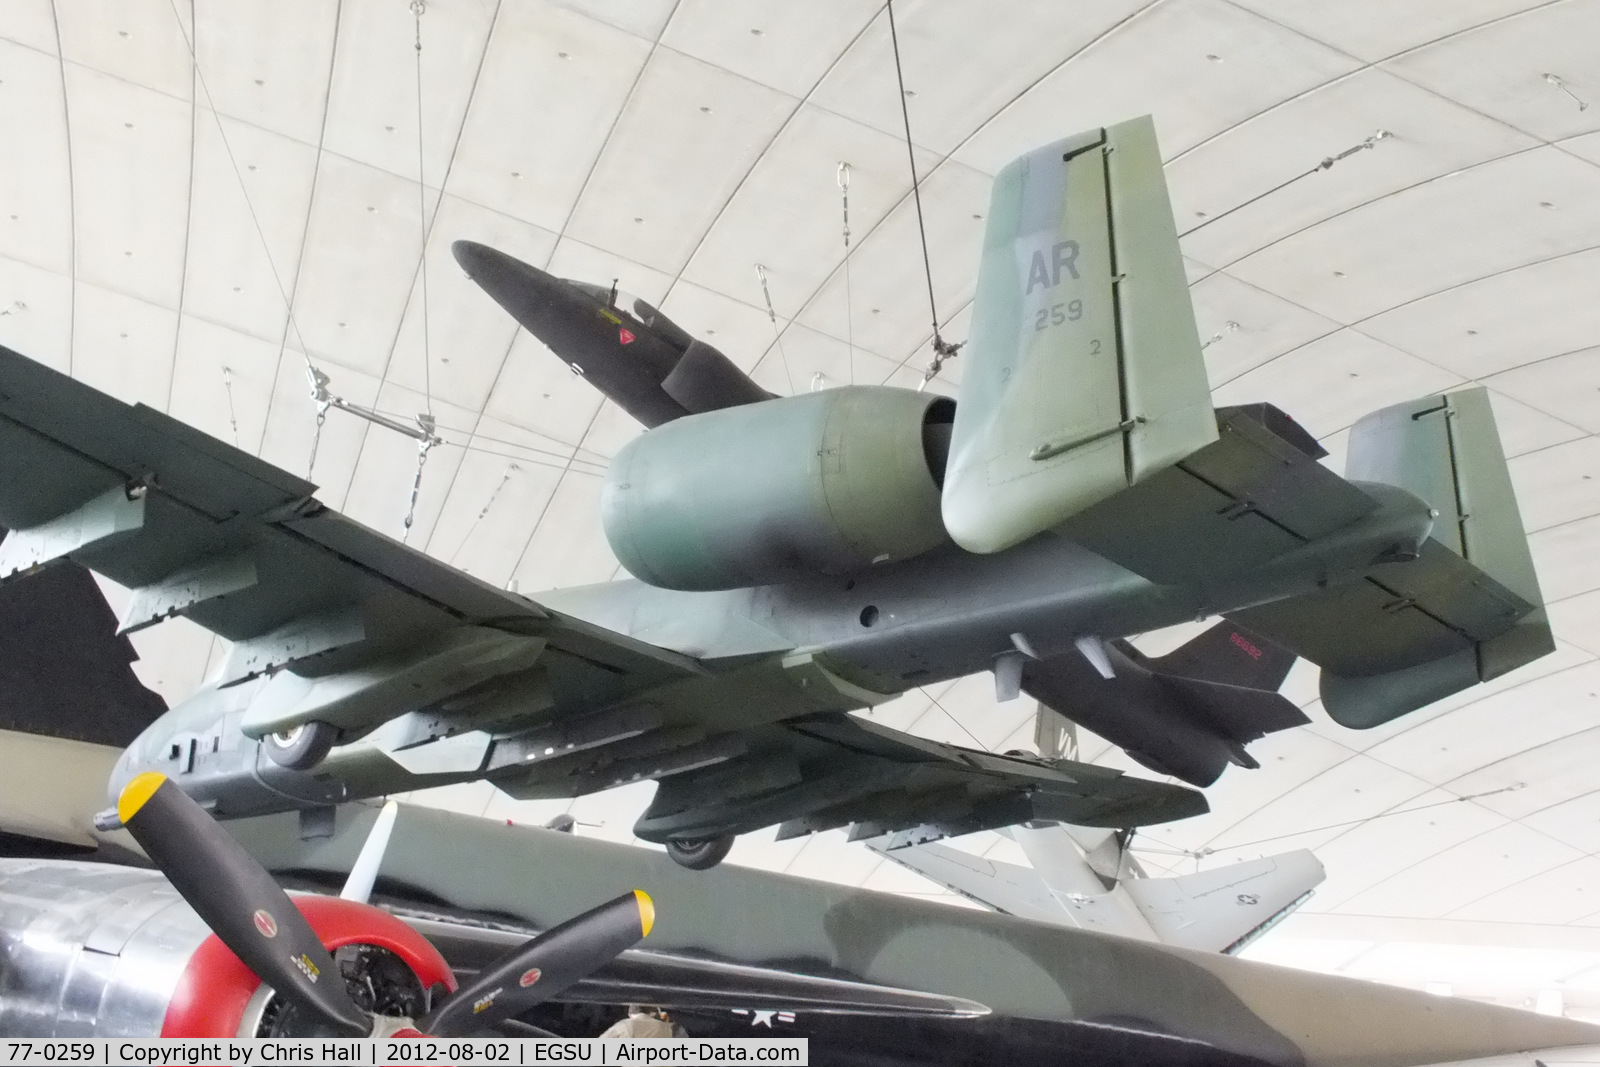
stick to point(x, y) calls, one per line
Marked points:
point(215, 988)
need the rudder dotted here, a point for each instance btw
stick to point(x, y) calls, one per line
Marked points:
point(1446, 449)
point(1084, 374)
point(1466, 610)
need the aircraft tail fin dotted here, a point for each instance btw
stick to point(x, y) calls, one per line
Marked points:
point(1084, 374)
point(1446, 449)
point(1228, 654)
point(65, 671)
point(1224, 909)
point(1466, 610)
point(1188, 714)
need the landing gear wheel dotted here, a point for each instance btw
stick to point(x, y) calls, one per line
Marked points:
point(700, 854)
point(302, 747)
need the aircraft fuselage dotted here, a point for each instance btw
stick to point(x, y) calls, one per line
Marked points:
point(769, 654)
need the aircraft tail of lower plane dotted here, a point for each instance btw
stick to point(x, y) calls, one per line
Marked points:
point(1230, 655)
point(1226, 908)
point(1083, 367)
point(1467, 609)
point(1189, 713)
point(1071, 881)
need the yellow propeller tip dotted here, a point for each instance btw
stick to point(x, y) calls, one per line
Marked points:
point(137, 792)
point(647, 911)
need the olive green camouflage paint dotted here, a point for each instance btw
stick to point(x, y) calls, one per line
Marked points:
point(1017, 968)
point(1083, 373)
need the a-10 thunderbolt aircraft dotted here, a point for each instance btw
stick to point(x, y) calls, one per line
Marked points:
point(798, 558)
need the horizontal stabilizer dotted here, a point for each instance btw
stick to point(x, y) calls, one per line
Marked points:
point(1241, 714)
point(1219, 910)
point(1224, 909)
point(1084, 370)
point(1253, 495)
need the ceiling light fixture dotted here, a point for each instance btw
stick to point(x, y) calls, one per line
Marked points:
point(1564, 87)
point(1228, 327)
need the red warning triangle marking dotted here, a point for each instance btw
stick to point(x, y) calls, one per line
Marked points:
point(625, 335)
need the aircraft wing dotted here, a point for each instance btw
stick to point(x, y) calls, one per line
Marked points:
point(198, 528)
point(679, 982)
point(1104, 1000)
point(834, 770)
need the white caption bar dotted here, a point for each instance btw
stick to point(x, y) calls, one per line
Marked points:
point(569, 1052)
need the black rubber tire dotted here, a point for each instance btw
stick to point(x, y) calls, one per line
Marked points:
point(701, 854)
point(301, 748)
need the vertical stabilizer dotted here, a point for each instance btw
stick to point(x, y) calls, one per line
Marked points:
point(1084, 371)
point(1446, 449)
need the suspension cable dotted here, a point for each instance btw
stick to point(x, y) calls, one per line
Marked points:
point(1201, 853)
point(424, 446)
point(233, 413)
point(418, 8)
point(511, 469)
point(777, 334)
point(291, 325)
point(1326, 164)
point(849, 310)
point(316, 435)
point(942, 349)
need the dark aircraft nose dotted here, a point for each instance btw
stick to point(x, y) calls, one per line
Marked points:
point(485, 264)
point(527, 292)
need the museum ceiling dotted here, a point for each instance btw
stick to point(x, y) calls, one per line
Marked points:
point(1378, 200)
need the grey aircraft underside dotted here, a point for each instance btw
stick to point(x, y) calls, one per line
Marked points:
point(800, 558)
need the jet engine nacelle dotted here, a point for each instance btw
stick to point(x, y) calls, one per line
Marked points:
point(829, 482)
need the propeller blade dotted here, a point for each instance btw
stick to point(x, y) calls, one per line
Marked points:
point(247, 910)
point(544, 966)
